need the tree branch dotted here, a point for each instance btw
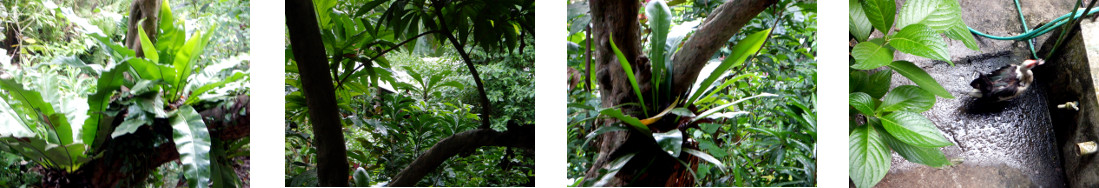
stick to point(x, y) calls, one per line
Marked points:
point(486, 107)
point(515, 136)
point(339, 84)
point(726, 21)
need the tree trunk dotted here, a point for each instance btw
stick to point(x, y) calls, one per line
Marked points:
point(308, 49)
point(620, 19)
point(149, 12)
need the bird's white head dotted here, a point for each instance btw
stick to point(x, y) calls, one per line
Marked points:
point(1031, 63)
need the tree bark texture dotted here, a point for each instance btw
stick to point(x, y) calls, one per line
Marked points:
point(464, 142)
point(308, 49)
point(722, 24)
point(149, 11)
point(619, 18)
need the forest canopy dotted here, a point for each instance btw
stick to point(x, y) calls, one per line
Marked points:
point(410, 93)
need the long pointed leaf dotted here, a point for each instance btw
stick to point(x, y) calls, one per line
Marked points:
point(193, 144)
point(746, 47)
point(629, 73)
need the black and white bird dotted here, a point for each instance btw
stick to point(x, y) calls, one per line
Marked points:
point(1005, 83)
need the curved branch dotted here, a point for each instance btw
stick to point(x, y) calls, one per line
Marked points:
point(726, 21)
point(468, 141)
point(486, 108)
point(339, 84)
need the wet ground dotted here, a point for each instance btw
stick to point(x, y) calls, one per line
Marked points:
point(1005, 144)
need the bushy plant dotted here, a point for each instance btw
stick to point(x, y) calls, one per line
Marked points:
point(884, 119)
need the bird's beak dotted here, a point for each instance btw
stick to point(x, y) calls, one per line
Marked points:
point(1031, 63)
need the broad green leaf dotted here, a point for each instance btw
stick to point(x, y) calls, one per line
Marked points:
point(629, 73)
point(914, 129)
point(193, 144)
point(147, 46)
point(907, 98)
point(920, 77)
point(917, 11)
point(186, 57)
point(920, 40)
point(32, 100)
point(746, 47)
point(858, 25)
point(960, 32)
point(879, 83)
point(108, 82)
point(361, 178)
point(880, 13)
point(660, 19)
point(869, 157)
point(871, 55)
point(862, 102)
point(926, 156)
point(670, 142)
point(632, 121)
point(195, 94)
point(857, 81)
point(132, 122)
point(61, 126)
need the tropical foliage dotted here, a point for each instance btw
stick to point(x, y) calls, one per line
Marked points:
point(884, 119)
point(402, 86)
point(68, 102)
point(750, 120)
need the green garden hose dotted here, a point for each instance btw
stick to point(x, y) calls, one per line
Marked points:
point(1031, 34)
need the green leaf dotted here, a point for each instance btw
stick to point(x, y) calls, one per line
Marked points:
point(871, 55)
point(193, 144)
point(920, 40)
point(960, 32)
point(746, 47)
point(195, 94)
point(879, 83)
point(632, 121)
point(629, 73)
point(914, 129)
point(926, 156)
point(862, 102)
point(147, 46)
point(660, 19)
point(32, 100)
point(917, 11)
point(857, 81)
point(869, 157)
point(920, 77)
point(602, 129)
point(132, 122)
point(361, 178)
point(705, 157)
point(107, 83)
point(184, 62)
point(61, 126)
point(707, 113)
point(858, 25)
point(907, 98)
point(880, 13)
point(670, 142)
